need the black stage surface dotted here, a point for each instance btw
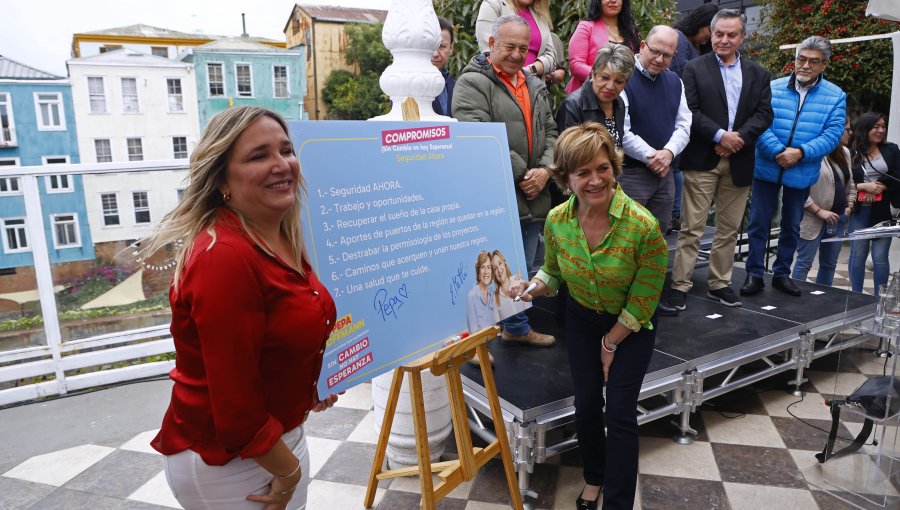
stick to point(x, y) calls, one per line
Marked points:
point(533, 382)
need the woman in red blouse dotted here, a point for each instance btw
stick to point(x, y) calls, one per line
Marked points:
point(249, 322)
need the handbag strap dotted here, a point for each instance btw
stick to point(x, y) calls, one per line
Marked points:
point(857, 443)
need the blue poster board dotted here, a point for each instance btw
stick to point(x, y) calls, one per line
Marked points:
point(395, 217)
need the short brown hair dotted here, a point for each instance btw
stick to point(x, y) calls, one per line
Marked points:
point(579, 145)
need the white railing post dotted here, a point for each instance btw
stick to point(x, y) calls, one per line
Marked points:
point(34, 224)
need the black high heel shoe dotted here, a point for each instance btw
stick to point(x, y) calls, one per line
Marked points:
point(584, 504)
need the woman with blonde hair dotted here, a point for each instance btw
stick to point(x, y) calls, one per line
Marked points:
point(610, 252)
point(503, 280)
point(542, 57)
point(249, 320)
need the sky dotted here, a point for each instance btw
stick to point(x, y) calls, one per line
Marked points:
point(38, 33)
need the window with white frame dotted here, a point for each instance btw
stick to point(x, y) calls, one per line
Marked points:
point(135, 149)
point(103, 150)
point(65, 231)
point(176, 97)
point(58, 183)
point(216, 77)
point(141, 207)
point(10, 185)
point(244, 77)
point(7, 126)
point(109, 203)
point(179, 147)
point(49, 109)
point(280, 81)
point(96, 94)
point(15, 236)
point(130, 102)
point(159, 51)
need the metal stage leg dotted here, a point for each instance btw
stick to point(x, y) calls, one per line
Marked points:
point(688, 400)
point(523, 440)
point(884, 347)
point(802, 354)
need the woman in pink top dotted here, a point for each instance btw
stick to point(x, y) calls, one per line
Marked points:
point(542, 55)
point(607, 21)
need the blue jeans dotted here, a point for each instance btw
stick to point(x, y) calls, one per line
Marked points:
point(610, 456)
point(859, 252)
point(763, 203)
point(828, 254)
point(518, 324)
point(679, 183)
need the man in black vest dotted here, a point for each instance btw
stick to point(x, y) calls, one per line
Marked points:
point(657, 125)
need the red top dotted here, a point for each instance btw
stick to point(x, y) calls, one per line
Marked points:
point(249, 336)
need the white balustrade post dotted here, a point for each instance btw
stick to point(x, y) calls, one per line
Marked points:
point(412, 33)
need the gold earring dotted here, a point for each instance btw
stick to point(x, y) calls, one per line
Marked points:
point(226, 196)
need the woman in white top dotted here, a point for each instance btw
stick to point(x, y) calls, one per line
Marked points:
point(542, 55)
point(503, 279)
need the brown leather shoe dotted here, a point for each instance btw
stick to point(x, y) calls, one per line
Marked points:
point(476, 361)
point(532, 338)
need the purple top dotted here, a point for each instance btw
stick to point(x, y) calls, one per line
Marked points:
point(534, 45)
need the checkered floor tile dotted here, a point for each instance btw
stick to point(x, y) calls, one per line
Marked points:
point(755, 449)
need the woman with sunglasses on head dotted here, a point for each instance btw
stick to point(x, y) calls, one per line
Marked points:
point(876, 172)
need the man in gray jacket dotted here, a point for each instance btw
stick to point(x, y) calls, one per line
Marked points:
point(493, 88)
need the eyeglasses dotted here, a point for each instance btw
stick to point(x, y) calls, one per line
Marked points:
point(801, 60)
point(656, 53)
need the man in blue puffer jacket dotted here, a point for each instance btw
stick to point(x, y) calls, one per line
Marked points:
point(808, 124)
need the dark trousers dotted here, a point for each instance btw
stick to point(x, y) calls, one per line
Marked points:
point(609, 459)
point(763, 204)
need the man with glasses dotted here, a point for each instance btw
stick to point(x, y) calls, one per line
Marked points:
point(809, 120)
point(657, 125)
point(731, 103)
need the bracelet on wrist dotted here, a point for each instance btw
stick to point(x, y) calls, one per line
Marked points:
point(608, 346)
point(294, 472)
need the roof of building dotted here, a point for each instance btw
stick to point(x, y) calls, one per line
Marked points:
point(343, 14)
point(10, 69)
point(126, 57)
point(141, 30)
point(241, 43)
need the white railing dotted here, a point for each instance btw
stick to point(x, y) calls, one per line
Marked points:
point(57, 358)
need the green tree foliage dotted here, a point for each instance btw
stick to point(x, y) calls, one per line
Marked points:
point(862, 69)
point(565, 15)
point(357, 95)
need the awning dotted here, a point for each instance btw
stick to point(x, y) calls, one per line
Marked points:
point(129, 291)
point(27, 296)
point(885, 9)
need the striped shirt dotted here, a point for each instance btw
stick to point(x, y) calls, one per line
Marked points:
point(623, 275)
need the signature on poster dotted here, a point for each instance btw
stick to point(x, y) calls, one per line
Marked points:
point(456, 283)
point(387, 305)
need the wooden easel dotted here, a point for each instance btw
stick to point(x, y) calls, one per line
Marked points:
point(446, 362)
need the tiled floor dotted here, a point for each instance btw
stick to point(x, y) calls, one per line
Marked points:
point(755, 450)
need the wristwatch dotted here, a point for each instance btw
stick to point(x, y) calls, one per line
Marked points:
point(533, 69)
point(608, 346)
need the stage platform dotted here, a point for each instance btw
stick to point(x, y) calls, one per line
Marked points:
point(770, 334)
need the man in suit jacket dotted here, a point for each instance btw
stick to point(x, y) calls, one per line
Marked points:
point(731, 102)
point(439, 59)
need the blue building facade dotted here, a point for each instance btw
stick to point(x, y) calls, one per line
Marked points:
point(235, 71)
point(38, 128)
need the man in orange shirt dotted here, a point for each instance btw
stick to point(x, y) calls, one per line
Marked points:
point(494, 88)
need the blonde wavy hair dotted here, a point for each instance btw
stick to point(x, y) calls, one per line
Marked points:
point(540, 8)
point(579, 145)
point(202, 199)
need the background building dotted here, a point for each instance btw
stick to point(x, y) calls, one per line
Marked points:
point(236, 71)
point(38, 128)
point(320, 29)
point(160, 42)
point(131, 106)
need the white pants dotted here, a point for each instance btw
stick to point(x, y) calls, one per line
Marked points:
point(198, 486)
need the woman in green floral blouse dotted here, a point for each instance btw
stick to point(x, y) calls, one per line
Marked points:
point(610, 252)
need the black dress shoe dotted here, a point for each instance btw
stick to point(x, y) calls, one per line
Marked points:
point(584, 504)
point(664, 309)
point(786, 285)
point(752, 285)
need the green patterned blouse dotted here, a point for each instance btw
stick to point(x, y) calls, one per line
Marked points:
point(623, 275)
